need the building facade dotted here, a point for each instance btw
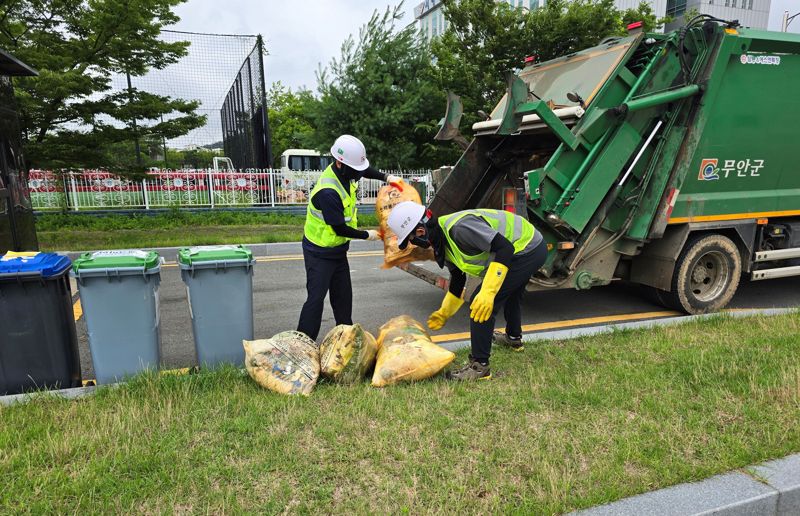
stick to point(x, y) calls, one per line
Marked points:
point(750, 13)
point(432, 23)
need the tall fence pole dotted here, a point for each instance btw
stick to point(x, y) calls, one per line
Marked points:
point(65, 190)
point(133, 121)
point(264, 108)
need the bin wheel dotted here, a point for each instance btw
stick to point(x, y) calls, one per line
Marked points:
point(706, 275)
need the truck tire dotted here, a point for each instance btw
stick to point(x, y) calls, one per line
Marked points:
point(706, 275)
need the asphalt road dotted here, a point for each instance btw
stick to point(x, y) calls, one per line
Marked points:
point(279, 293)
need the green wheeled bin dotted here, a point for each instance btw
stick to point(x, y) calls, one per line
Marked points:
point(219, 287)
point(119, 294)
point(38, 343)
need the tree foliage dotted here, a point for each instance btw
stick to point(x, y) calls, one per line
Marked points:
point(381, 90)
point(70, 115)
point(644, 13)
point(290, 122)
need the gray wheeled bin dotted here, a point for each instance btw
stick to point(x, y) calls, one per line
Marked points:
point(219, 286)
point(119, 294)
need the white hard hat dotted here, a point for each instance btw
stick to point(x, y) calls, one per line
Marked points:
point(404, 218)
point(350, 151)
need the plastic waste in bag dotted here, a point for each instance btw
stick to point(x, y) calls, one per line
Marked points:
point(406, 353)
point(388, 198)
point(288, 363)
point(347, 353)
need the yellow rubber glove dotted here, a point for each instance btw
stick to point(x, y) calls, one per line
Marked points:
point(482, 305)
point(449, 307)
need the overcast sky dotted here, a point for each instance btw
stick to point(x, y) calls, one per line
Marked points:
point(300, 34)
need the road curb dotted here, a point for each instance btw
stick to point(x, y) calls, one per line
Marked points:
point(784, 476)
point(69, 394)
point(770, 489)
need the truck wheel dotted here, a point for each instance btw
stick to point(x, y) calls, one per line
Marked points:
point(706, 275)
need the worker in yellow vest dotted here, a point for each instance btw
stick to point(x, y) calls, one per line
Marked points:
point(331, 222)
point(502, 248)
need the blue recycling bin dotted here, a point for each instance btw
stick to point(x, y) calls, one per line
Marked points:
point(38, 342)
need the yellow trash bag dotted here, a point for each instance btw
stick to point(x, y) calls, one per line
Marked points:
point(347, 353)
point(288, 363)
point(388, 198)
point(406, 353)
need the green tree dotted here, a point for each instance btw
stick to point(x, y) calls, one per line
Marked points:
point(70, 115)
point(381, 90)
point(290, 122)
point(644, 13)
point(484, 40)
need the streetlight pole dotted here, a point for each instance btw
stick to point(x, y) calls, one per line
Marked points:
point(133, 121)
point(787, 20)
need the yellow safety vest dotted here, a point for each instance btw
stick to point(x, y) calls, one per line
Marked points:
point(517, 230)
point(315, 229)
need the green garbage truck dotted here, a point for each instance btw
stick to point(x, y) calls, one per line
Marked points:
point(666, 160)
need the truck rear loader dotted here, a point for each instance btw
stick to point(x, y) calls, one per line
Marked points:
point(666, 160)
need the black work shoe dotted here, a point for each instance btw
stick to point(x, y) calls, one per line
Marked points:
point(514, 343)
point(474, 370)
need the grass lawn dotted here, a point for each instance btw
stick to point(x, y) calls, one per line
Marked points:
point(75, 232)
point(565, 425)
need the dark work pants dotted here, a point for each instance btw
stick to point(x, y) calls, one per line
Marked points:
point(509, 297)
point(323, 275)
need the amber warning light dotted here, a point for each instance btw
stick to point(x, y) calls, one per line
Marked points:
point(509, 199)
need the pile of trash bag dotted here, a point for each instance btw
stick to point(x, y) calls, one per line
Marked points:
point(347, 353)
point(288, 363)
point(390, 196)
point(407, 353)
point(291, 363)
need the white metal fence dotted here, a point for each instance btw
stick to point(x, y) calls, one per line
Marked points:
point(99, 190)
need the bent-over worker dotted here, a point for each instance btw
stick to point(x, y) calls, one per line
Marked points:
point(502, 248)
point(331, 222)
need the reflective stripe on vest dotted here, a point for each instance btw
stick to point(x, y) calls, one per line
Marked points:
point(514, 228)
point(315, 229)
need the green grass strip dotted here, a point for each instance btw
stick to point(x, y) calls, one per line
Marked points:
point(60, 232)
point(565, 425)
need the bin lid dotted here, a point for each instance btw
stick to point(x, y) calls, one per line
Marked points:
point(45, 265)
point(117, 259)
point(214, 253)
